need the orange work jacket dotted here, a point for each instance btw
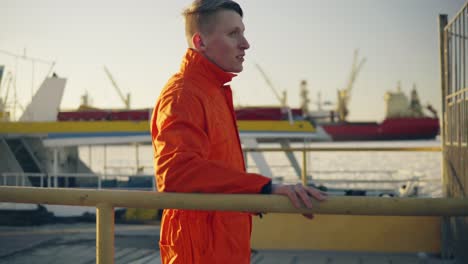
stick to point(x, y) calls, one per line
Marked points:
point(197, 150)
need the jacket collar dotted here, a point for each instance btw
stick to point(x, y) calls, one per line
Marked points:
point(195, 64)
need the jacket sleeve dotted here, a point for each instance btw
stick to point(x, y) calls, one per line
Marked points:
point(182, 145)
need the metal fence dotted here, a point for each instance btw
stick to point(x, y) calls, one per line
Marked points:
point(454, 71)
point(337, 182)
point(86, 180)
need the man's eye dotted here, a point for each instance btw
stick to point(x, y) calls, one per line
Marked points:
point(233, 33)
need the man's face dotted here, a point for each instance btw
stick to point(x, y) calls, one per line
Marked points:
point(225, 45)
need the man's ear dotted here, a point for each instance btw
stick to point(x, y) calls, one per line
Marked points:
point(197, 41)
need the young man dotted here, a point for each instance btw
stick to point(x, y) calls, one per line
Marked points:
point(196, 142)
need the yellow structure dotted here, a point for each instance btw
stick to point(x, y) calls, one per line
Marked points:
point(390, 234)
point(138, 126)
point(4, 116)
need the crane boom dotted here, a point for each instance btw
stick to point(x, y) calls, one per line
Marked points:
point(344, 95)
point(125, 100)
point(282, 100)
point(356, 68)
point(7, 84)
point(2, 70)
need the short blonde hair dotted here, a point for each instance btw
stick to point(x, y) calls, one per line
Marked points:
point(200, 15)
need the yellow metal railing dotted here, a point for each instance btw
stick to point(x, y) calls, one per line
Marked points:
point(340, 149)
point(106, 200)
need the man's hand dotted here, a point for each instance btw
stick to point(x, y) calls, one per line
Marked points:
point(298, 193)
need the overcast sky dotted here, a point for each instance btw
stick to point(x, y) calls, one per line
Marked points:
point(142, 43)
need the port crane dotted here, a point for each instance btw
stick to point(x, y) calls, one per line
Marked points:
point(344, 95)
point(2, 101)
point(6, 84)
point(282, 99)
point(4, 115)
point(125, 99)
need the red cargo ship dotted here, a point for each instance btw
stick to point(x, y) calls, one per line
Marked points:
point(404, 120)
point(390, 129)
point(396, 128)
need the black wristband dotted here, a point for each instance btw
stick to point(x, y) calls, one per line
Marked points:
point(266, 189)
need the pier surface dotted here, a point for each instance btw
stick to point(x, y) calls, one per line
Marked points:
point(138, 244)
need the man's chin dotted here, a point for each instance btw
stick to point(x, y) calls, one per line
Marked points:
point(237, 69)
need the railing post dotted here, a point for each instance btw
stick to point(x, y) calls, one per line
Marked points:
point(104, 168)
point(443, 49)
point(99, 181)
point(304, 167)
point(55, 167)
point(104, 234)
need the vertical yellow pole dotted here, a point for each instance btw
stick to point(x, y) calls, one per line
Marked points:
point(104, 234)
point(304, 167)
point(446, 246)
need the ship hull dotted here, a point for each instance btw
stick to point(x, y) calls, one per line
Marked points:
point(389, 129)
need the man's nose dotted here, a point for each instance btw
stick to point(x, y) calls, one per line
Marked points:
point(244, 43)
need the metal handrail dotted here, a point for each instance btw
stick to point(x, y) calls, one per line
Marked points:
point(309, 149)
point(236, 202)
point(105, 201)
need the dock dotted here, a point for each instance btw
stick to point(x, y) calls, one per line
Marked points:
point(138, 244)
